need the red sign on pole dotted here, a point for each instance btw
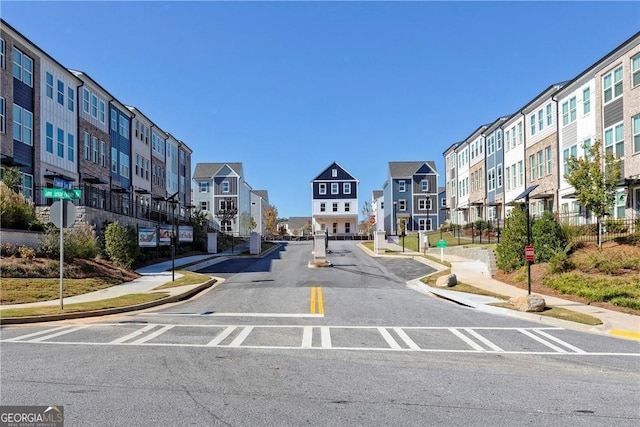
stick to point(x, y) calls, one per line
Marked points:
point(529, 253)
point(372, 220)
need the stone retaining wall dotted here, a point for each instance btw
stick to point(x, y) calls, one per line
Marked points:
point(20, 238)
point(484, 255)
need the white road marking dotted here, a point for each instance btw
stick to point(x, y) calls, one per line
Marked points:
point(277, 315)
point(482, 339)
point(57, 334)
point(133, 334)
point(325, 336)
point(389, 339)
point(466, 339)
point(153, 335)
point(307, 337)
point(221, 336)
point(559, 341)
point(35, 334)
point(407, 340)
point(542, 341)
point(241, 336)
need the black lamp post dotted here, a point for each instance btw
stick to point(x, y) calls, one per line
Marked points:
point(171, 200)
point(395, 218)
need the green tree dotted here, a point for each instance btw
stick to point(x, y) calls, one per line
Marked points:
point(199, 222)
point(121, 244)
point(548, 237)
point(252, 224)
point(510, 250)
point(12, 179)
point(595, 178)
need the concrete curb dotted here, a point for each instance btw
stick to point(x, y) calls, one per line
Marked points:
point(108, 311)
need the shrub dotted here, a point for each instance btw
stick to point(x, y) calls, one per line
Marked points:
point(121, 244)
point(79, 242)
point(615, 226)
point(16, 212)
point(8, 250)
point(510, 250)
point(27, 252)
point(559, 262)
point(548, 237)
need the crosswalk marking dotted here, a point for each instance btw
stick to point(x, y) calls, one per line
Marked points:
point(395, 338)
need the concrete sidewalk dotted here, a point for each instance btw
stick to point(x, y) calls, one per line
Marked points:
point(476, 273)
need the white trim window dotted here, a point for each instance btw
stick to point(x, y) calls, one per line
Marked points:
point(569, 111)
point(586, 101)
point(226, 187)
point(402, 205)
point(323, 207)
point(402, 186)
point(635, 70)
point(60, 93)
point(60, 145)
point(26, 186)
point(334, 173)
point(346, 188)
point(87, 145)
point(335, 188)
point(424, 204)
point(491, 179)
point(549, 115)
point(612, 85)
point(114, 160)
point(71, 148)
point(347, 207)
point(124, 165)
point(204, 187)
point(2, 53)
point(635, 123)
point(499, 175)
point(48, 81)
point(85, 100)
point(22, 125)
point(424, 185)
point(48, 144)
point(334, 207)
point(322, 188)
point(94, 149)
point(22, 67)
point(101, 112)
point(204, 206)
point(614, 140)
point(2, 115)
point(71, 98)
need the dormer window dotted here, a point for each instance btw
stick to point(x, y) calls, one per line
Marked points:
point(334, 173)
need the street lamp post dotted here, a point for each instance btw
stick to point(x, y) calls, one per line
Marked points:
point(171, 200)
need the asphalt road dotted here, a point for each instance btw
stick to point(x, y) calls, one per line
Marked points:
point(281, 344)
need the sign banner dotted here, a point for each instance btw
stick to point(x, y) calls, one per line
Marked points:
point(185, 233)
point(165, 235)
point(147, 237)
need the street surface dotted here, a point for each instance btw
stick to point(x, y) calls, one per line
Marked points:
point(281, 344)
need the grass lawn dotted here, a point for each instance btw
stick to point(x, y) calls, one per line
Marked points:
point(188, 278)
point(22, 290)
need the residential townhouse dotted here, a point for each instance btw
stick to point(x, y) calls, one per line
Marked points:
point(93, 142)
point(184, 178)
point(411, 197)
point(334, 204)
point(494, 165)
point(61, 128)
point(158, 169)
point(477, 173)
point(141, 162)
point(541, 150)
point(442, 206)
point(562, 121)
point(221, 187)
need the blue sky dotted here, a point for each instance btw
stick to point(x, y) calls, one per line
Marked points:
point(287, 88)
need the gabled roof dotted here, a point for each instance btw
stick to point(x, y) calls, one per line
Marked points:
point(547, 93)
point(452, 147)
point(209, 170)
point(473, 135)
point(408, 169)
point(377, 194)
point(298, 222)
point(262, 193)
point(497, 123)
point(343, 174)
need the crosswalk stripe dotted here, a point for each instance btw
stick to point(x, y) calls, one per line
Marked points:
point(221, 336)
point(407, 340)
point(133, 334)
point(389, 339)
point(153, 335)
point(35, 334)
point(482, 339)
point(542, 341)
point(559, 341)
point(237, 342)
point(57, 334)
point(307, 337)
point(466, 339)
point(325, 337)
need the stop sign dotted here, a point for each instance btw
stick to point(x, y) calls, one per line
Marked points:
point(67, 217)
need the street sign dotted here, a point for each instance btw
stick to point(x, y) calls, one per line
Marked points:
point(441, 243)
point(529, 253)
point(61, 193)
point(61, 183)
point(67, 217)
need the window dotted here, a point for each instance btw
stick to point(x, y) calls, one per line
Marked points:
point(334, 207)
point(94, 106)
point(569, 111)
point(424, 185)
point(540, 119)
point(521, 173)
point(49, 137)
point(87, 145)
point(533, 125)
point(94, 149)
point(402, 205)
point(499, 139)
point(572, 109)
point(532, 167)
point(586, 146)
point(335, 228)
point(101, 112)
point(614, 140)
point(60, 92)
point(507, 140)
point(347, 207)
point(323, 207)
point(225, 186)
point(49, 85)
point(335, 188)
point(347, 227)
point(114, 160)
point(508, 178)
point(322, 188)
point(204, 187)
point(124, 126)
point(491, 180)
point(114, 120)
point(22, 125)
point(71, 98)
point(540, 164)
point(549, 115)
point(204, 206)
point(635, 70)
point(402, 186)
point(586, 101)
point(71, 148)
point(334, 173)
point(85, 100)
point(547, 152)
point(491, 145)
point(60, 143)
point(27, 186)
point(346, 188)
point(1, 53)
point(520, 133)
point(124, 165)
point(2, 115)
point(443, 203)
point(499, 175)
point(424, 204)
point(612, 84)
point(22, 67)
point(635, 121)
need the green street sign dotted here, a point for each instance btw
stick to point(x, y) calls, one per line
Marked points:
point(61, 193)
point(441, 244)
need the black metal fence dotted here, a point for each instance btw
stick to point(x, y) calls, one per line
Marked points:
point(586, 229)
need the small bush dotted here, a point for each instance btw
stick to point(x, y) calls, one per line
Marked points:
point(559, 262)
point(8, 250)
point(510, 250)
point(121, 244)
point(79, 242)
point(548, 237)
point(16, 212)
point(615, 226)
point(27, 252)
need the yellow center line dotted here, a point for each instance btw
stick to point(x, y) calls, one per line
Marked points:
point(316, 305)
point(623, 333)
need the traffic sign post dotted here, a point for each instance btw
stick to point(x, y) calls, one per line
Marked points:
point(62, 219)
point(441, 244)
point(529, 253)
